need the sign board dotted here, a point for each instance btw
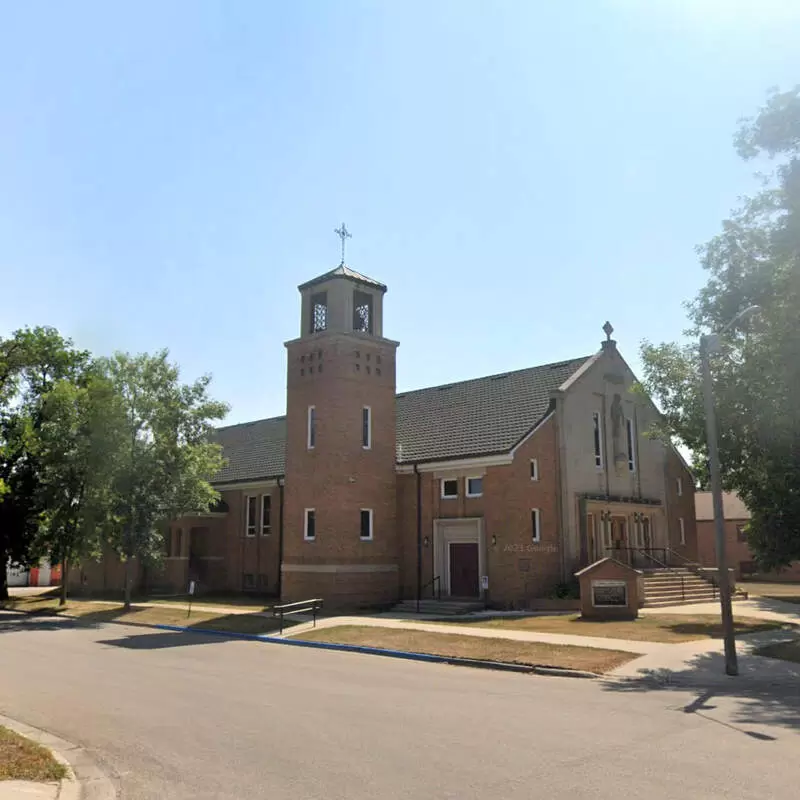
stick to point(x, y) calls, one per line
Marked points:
point(191, 587)
point(484, 582)
point(609, 593)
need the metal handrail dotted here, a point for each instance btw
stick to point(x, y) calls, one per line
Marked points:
point(301, 607)
point(437, 581)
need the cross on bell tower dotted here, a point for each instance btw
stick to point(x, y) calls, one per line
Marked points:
point(344, 235)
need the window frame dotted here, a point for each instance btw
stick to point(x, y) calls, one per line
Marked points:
point(534, 469)
point(630, 432)
point(371, 535)
point(248, 525)
point(597, 439)
point(444, 496)
point(311, 428)
point(467, 492)
point(266, 530)
point(306, 513)
point(681, 530)
point(366, 427)
point(679, 486)
point(536, 525)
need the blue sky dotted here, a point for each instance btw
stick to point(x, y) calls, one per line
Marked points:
point(516, 172)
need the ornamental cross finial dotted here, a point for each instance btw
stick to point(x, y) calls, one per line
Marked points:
point(344, 235)
point(608, 329)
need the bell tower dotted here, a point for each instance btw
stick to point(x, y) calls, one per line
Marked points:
point(340, 537)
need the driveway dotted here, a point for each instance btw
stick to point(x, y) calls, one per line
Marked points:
point(172, 715)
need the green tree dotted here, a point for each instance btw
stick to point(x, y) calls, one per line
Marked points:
point(754, 260)
point(167, 459)
point(78, 443)
point(32, 361)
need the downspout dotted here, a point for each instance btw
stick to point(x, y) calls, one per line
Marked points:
point(281, 482)
point(419, 534)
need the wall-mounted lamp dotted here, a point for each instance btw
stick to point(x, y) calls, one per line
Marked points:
point(494, 541)
point(425, 541)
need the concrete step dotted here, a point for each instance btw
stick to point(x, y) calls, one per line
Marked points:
point(438, 607)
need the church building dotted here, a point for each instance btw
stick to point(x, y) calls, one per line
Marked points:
point(497, 488)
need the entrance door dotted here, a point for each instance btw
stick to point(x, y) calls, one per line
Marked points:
point(464, 569)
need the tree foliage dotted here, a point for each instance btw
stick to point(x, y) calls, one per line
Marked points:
point(754, 260)
point(167, 457)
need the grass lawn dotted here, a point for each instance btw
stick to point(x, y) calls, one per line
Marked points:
point(786, 651)
point(24, 760)
point(670, 629)
point(104, 611)
point(788, 592)
point(454, 645)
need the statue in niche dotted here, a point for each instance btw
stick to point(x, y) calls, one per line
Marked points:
point(618, 430)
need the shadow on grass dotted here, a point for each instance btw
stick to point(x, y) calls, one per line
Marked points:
point(225, 626)
point(766, 691)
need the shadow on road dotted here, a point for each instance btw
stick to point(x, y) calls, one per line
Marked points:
point(767, 691)
point(163, 640)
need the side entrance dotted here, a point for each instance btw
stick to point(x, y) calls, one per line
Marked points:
point(459, 556)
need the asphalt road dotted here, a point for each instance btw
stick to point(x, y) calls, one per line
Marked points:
point(173, 715)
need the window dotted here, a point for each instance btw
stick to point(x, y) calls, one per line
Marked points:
point(366, 524)
point(474, 487)
point(249, 580)
point(362, 312)
point(310, 525)
point(631, 444)
point(319, 312)
point(366, 427)
point(312, 427)
point(535, 524)
point(682, 529)
point(534, 469)
point(597, 432)
point(266, 508)
point(679, 486)
point(251, 511)
point(449, 488)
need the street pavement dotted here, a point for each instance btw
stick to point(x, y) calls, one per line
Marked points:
point(184, 715)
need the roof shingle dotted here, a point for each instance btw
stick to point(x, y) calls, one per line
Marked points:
point(482, 416)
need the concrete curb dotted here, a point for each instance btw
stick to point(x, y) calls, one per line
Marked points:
point(539, 669)
point(86, 780)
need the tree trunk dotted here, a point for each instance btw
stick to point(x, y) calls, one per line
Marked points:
point(63, 593)
point(127, 584)
point(3, 568)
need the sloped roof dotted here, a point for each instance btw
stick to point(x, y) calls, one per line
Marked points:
point(477, 417)
point(343, 271)
point(254, 450)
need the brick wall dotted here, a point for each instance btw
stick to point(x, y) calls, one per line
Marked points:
point(518, 568)
point(680, 506)
point(339, 374)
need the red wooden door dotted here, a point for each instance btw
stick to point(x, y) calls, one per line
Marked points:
point(464, 578)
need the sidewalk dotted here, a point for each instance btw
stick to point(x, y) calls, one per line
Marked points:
point(767, 608)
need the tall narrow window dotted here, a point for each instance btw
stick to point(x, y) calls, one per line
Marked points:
point(682, 530)
point(366, 524)
point(319, 312)
point(679, 486)
point(310, 525)
point(631, 444)
point(534, 469)
point(251, 511)
point(266, 512)
point(366, 427)
point(597, 433)
point(312, 427)
point(362, 312)
point(535, 527)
